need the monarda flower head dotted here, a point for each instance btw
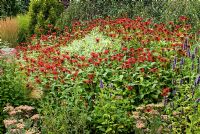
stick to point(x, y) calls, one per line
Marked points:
point(165, 91)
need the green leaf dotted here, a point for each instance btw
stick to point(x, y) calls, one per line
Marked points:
point(108, 130)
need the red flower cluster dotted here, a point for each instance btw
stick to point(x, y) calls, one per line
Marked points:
point(165, 91)
point(49, 62)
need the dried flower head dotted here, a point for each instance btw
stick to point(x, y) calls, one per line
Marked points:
point(24, 108)
point(12, 113)
point(30, 131)
point(8, 108)
point(136, 115)
point(140, 107)
point(14, 131)
point(175, 113)
point(140, 124)
point(20, 125)
point(8, 123)
point(159, 105)
point(35, 117)
point(164, 117)
point(150, 105)
point(154, 112)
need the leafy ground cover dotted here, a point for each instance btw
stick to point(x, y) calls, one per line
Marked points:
point(115, 76)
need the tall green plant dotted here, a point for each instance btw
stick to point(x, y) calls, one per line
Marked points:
point(64, 111)
point(23, 21)
point(12, 88)
point(42, 13)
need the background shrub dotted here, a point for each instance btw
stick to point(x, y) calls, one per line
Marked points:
point(42, 13)
point(160, 11)
point(13, 7)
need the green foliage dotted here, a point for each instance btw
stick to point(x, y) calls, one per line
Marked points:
point(64, 111)
point(184, 107)
point(173, 9)
point(12, 7)
point(110, 114)
point(94, 77)
point(12, 87)
point(159, 10)
point(23, 21)
point(42, 13)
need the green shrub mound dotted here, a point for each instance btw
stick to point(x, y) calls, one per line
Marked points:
point(43, 13)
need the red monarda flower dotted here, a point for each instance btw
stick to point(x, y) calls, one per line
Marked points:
point(37, 80)
point(94, 55)
point(91, 76)
point(97, 40)
point(165, 91)
point(153, 70)
point(129, 88)
point(142, 70)
point(183, 18)
point(106, 51)
point(148, 109)
point(87, 81)
point(124, 48)
point(82, 58)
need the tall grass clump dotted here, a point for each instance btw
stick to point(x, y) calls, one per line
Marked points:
point(9, 31)
point(23, 21)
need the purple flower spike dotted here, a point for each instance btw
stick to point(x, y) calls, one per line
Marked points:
point(197, 100)
point(188, 52)
point(193, 56)
point(181, 81)
point(197, 81)
point(185, 44)
point(182, 61)
point(101, 84)
point(175, 60)
point(196, 50)
point(192, 68)
point(173, 66)
point(174, 92)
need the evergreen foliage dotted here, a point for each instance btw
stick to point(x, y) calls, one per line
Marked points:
point(42, 13)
